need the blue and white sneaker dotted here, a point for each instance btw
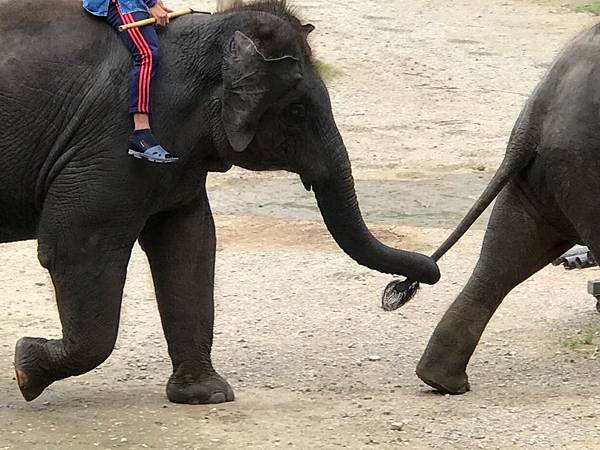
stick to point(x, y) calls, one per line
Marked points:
point(143, 145)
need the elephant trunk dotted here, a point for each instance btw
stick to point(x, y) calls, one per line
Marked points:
point(337, 201)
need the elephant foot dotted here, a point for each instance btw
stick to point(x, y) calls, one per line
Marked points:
point(442, 380)
point(193, 391)
point(32, 379)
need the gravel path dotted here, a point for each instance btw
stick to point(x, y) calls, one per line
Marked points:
point(426, 98)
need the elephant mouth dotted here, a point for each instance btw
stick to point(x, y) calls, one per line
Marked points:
point(307, 184)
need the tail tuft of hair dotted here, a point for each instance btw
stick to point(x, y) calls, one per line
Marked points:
point(398, 293)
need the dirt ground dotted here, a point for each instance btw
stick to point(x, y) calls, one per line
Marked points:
point(426, 96)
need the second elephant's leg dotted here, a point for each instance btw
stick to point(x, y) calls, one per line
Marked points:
point(181, 249)
point(517, 244)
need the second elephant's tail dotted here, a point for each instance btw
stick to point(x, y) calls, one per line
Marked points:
point(500, 179)
point(520, 152)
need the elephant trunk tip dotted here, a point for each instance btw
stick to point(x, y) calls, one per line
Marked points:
point(425, 269)
point(410, 265)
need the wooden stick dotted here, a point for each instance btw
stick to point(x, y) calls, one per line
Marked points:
point(141, 23)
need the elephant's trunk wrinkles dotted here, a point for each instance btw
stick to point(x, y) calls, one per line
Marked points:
point(338, 204)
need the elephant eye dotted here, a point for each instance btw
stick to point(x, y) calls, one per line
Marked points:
point(294, 114)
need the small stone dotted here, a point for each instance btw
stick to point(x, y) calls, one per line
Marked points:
point(374, 358)
point(397, 426)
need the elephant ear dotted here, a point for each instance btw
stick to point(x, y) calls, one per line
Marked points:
point(251, 84)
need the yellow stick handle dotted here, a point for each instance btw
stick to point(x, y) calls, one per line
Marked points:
point(142, 23)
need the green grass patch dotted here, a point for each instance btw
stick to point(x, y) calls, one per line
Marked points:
point(327, 71)
point(586, 338)
point(592, 7)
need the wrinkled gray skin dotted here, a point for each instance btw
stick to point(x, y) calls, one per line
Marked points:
point(236, 88)
point(548, 188)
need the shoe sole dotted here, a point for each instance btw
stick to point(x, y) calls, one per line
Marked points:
point(138, 155)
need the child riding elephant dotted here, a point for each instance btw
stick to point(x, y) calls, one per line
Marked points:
point(142, 42)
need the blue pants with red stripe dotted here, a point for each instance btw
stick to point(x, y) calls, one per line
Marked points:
point(143, 44)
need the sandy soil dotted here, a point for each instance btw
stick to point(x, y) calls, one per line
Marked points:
point(426, 98)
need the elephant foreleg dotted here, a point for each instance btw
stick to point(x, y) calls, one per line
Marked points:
point(516, 245)
point(181, 249)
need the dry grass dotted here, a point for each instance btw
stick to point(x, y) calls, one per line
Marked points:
point(226, 4)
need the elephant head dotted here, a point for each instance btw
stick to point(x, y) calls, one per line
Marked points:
point(276, 115)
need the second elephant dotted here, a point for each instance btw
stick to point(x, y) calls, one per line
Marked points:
point(547, 191)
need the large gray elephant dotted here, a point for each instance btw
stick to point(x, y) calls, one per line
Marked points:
point(547, 191)
point(237, 88)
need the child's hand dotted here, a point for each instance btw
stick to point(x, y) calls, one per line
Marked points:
point(160, 13)
point(162, 5)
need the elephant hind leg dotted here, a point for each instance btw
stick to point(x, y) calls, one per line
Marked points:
point(87, 259)
point(517, 244)
point(578, 186)
point(89, 301)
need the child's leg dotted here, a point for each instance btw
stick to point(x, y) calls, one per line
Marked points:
point(143, 45)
